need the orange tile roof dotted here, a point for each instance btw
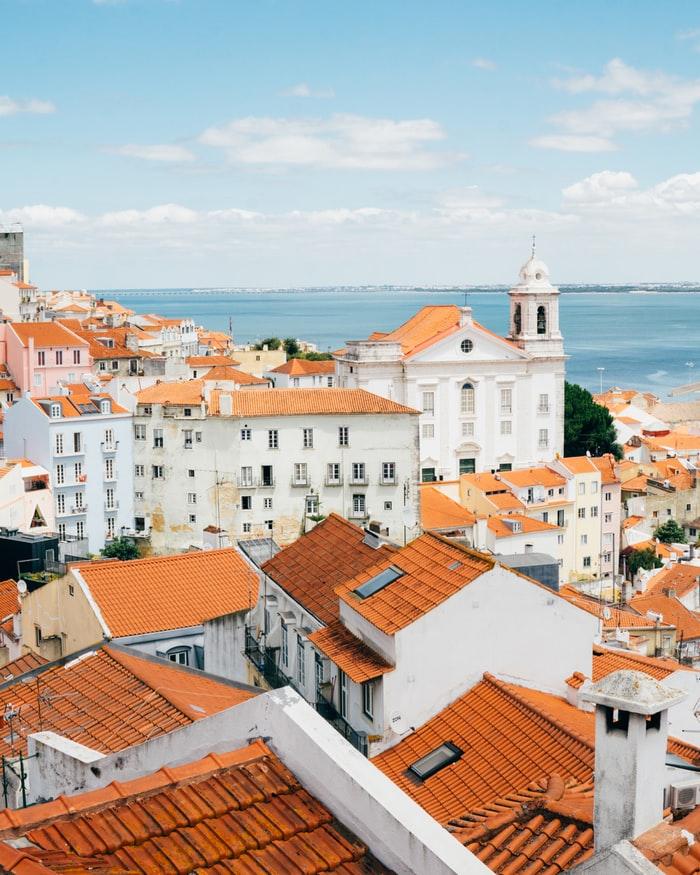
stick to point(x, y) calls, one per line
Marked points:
point(485, 481)
point(673, 847)
point(632, 521)
point(109, 700)
point(499, 525)
point(672, 610)
point(169, 592)
point(680, 576)
point(438, 511)
point(675, 440)
point(9, 599)
point(46, 334)
point(311, 567)
point(305, 367)
point(189, 392)
point(7, 385)
point(297, 402)
point(238, 812)
point(226, 372)
point(606, 660)
point(533, 477)
point(635, 484)
point(210, 361)
point(618, 619)
point(359, 662)
point(579, 464)
point(433, 570)
point(505, 501)
point(545, 828)
point(70, 403)
point(21, 665)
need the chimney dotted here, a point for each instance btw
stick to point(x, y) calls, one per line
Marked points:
point(480, 530)
point(465, 316)
point(631, 735)
point(528, 548)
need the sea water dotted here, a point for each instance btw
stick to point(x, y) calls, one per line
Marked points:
point(643, 336)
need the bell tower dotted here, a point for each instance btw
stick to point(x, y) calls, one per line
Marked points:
point(534, 311)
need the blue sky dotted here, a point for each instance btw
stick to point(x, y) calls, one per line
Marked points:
point(292, 142)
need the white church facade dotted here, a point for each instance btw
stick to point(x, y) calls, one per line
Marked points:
point(487, 402)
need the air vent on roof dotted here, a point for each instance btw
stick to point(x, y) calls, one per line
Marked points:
point(379, 581)
point(437, 759)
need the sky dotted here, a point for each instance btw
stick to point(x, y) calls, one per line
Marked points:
point(171, 143)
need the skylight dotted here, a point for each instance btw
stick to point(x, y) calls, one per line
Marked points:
point(453, 566)
point(437, 759)
point(379, 581)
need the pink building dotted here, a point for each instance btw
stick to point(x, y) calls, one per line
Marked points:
point(40, 354)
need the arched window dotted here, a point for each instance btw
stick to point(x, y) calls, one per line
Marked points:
point(517, 319)
point(467, 399)
point(541, 320)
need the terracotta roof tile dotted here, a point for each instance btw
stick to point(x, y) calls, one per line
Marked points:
point(109, 700)
point(533, 477)
point(229, 373)
point(78, 404)
point(359, 662)
point(619, 618)
point(241, 812)
point(9, 599)
point(579, 464)
point(210, 361)
point(680, 576)
point(169, 592)
point(190, 392)
point(296, 402)
point(501, 528)
point(311, 568)
point(606, 660)
point(21, 665)
point(635, 484)
point(46, 334)
point(439, 511)
point(305, 367)
point(432, 569)
point(673, 611)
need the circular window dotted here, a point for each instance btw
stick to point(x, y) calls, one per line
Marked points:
point(538, 276)
point(466, 345)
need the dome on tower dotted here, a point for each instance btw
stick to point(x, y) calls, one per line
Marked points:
point(534, 272)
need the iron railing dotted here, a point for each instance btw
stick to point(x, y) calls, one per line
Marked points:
point(329, 713)
point(265, 661)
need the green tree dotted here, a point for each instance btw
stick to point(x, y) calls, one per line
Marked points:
point(588, 427)
point(670, 533)
point(120, 548)
point(291, 347)
point(645, 559)
point(270, 343)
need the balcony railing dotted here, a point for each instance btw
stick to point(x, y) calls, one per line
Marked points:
point(265, 661)
point(357, 739)
point(112, 505)
point(255, 482)
point(109, 447)
point(357, 514)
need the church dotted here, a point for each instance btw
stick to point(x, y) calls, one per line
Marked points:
point(487, 402)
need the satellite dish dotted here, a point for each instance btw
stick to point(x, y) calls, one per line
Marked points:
point(397, 723)
point(409, 518)
point(22, 587)
point(607, 613)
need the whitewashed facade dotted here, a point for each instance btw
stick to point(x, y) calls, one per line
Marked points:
point(487, 402)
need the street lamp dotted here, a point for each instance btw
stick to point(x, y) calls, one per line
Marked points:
point(600, 374)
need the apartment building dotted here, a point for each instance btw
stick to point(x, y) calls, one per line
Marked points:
point(303, 374)
point(42, 355)
point(257, 462)
point(26, 500)
point(84, 439)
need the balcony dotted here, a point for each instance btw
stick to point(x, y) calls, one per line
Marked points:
point(109, 448)
point(355, 513)
point(72, 510)
point(357, 739)
point(265, 661)
point(111, 505)
point(256, 482)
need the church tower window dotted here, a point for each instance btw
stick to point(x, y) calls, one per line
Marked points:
point(517, 319)
point(467, 399)
point(541, 320)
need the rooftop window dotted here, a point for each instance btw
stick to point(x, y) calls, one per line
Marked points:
point(453, 566)
point(437, 759)
point(379, 581)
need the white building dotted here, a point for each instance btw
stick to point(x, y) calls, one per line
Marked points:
point(26, 501)
point(268, 462)
point(487, 402)
point(85, 441)
point(303, 374)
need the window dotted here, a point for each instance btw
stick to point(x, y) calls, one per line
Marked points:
point(109, 438)
point(388, 505)
point(78, 498)
point(608, 496)
point(543, 440)
point(584, 540)
point(193, 517)
point(138, 496)
point(466, 345)
point(300, 473)
point(467, 466)
point(76, 356)
point(517, 319)
point(59, 357)
point(541, 320)
point(333, 473)
point(266, 476)
point(560, 539)
point(60, 474)
point(467, 429)
point(109, 469)
point(56, 411)
point(37, 636)
point(343, 436)
point(139, 432)
point(582, 513)
point(308, 438)
point(246, 478)
point(368, 699)
point(110, 526)
point(560, 518)
point(147, 410)
point(62, 531)
point(77, 442)
point(245, 434)
point(311, 505)
point(378, 582)
point(61, 503)
point(273, 440)
point(543, 404)
point(358, 505)
point(301, 664)
point(437, 759)
point(198, 437)
point(582, 488)
point(466, 399)
point(428, 430)
point(429, 403)
point(506, 402)
point(343, 695)
point(285, 645)
point(545, 516)
point(388, 472)
point(358, 472)
point(594, 487)
point(668, 511)
point(607, 518)
point(247, 528)
point(586, 561)
point(267, 503)
point(269, 525)
point(190, 472)
point(138, 470)
point(80, 529)
point(115, 365)
point(187, 435)
point(192, 498)
point(427, 475)
point(157, 438)
point(607, 557)
point(157, 472)
point(180, 655)
point(687, 507)
point(78, 470)
point(506, 426)
point(187, 411)
point(329, 382)
point(246, 502)
point(41, 358)
point(505, 466)
point(594, 511)
point(105, 406)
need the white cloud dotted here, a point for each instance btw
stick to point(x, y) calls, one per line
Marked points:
point(340, 142)
point(483, 64)
point(612, 193)
point(691, 36)
point(165, 214)
point(634, 100)
point(305, 90)
point(42, 216)
point(8, 106)
point(574, 143)
point(156, 152)
point(600, 187)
